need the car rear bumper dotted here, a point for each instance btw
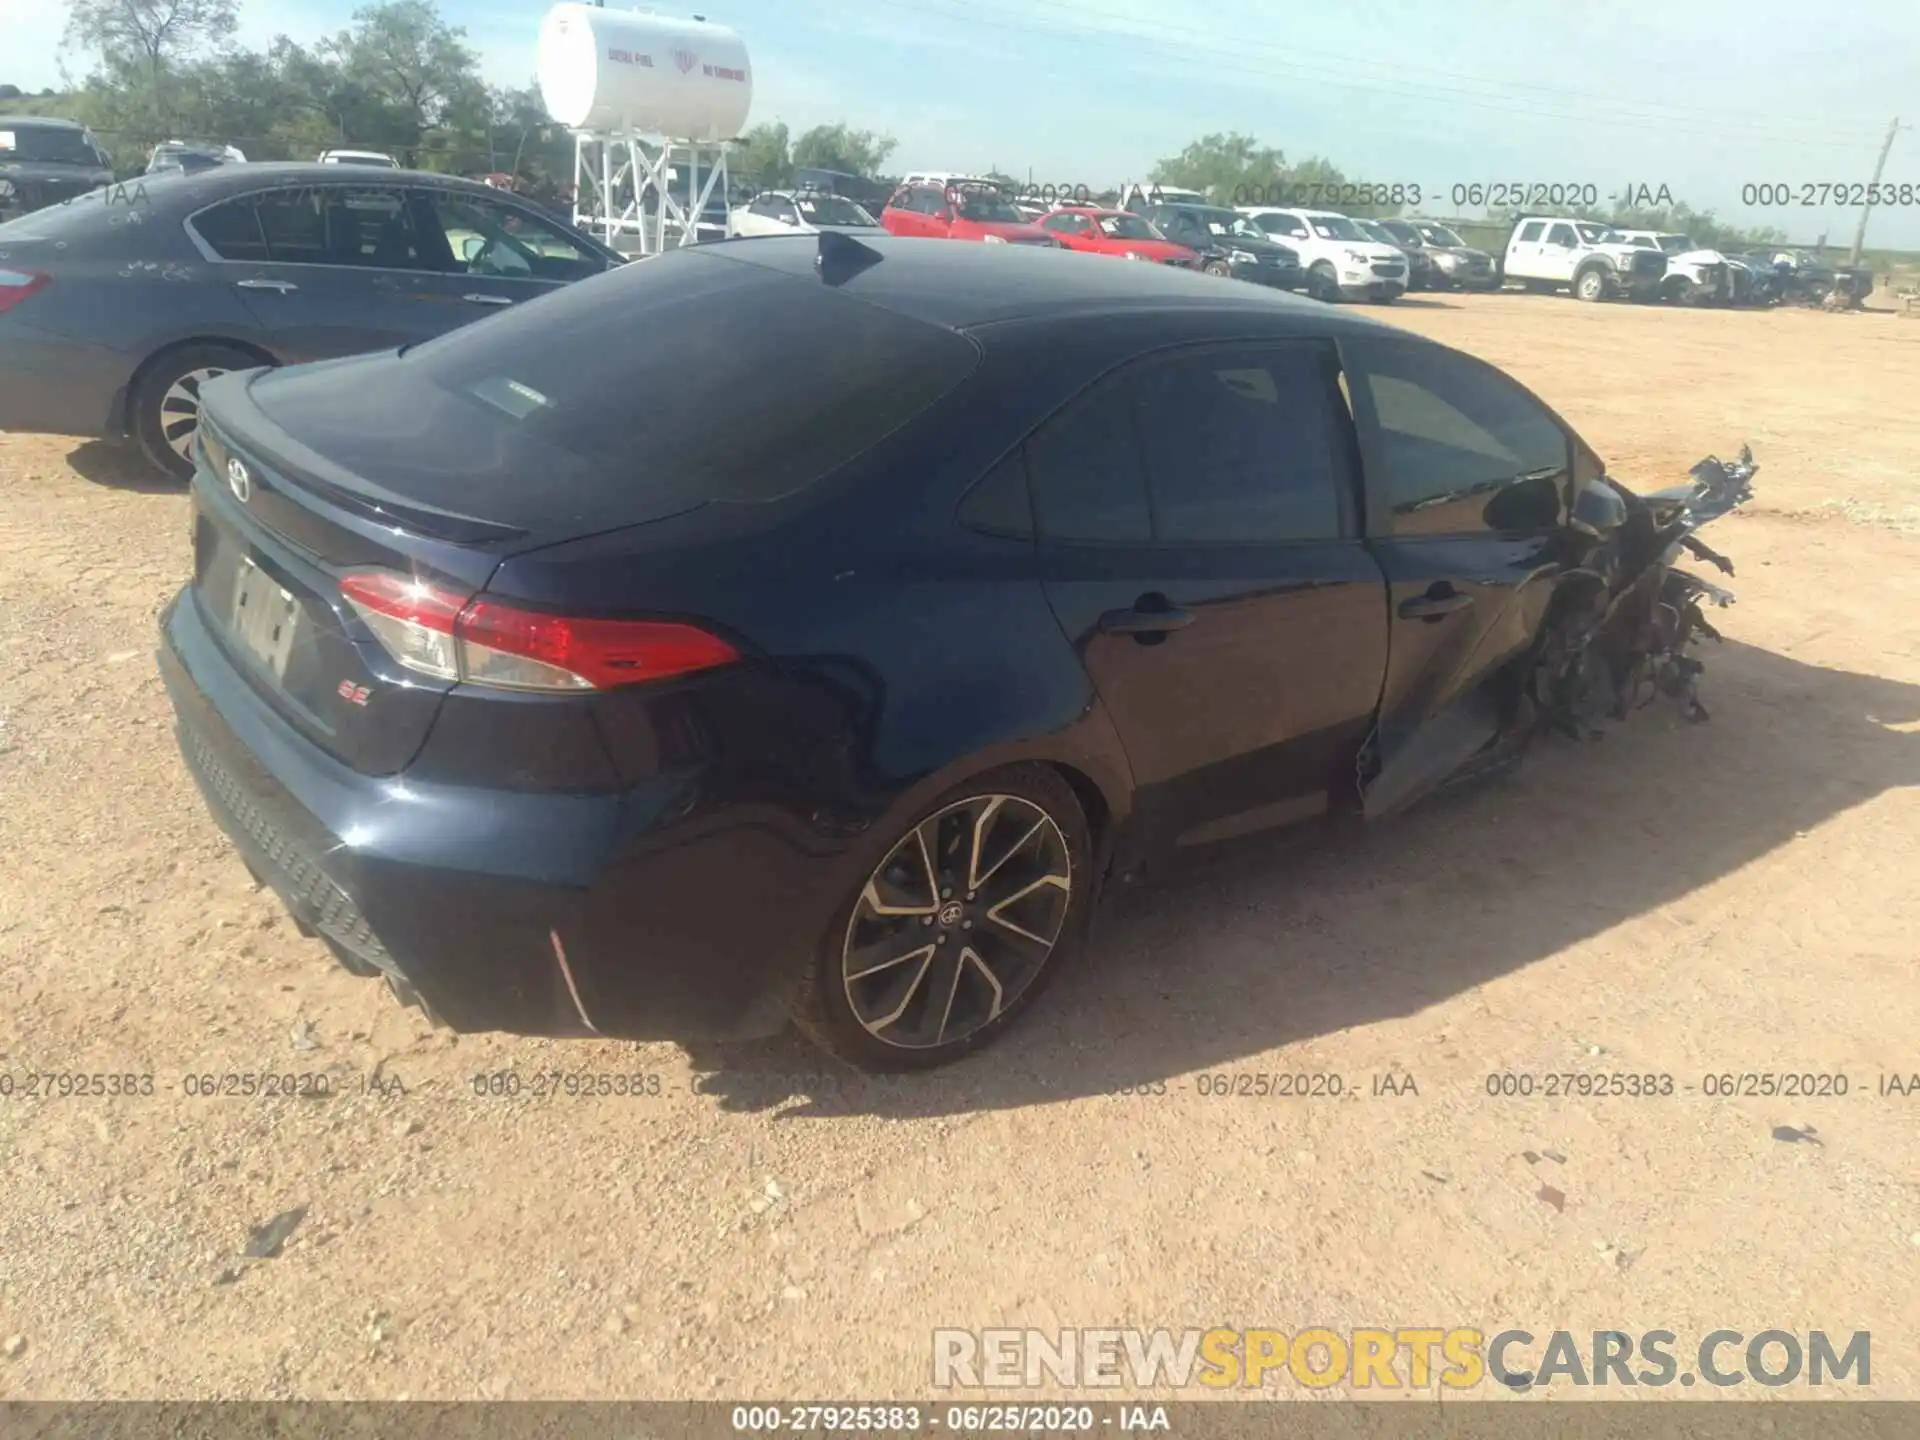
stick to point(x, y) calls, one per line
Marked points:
point(50, 385)
point(1277, 277)
point(534, 914)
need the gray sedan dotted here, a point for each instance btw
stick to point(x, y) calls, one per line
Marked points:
point(117, 306)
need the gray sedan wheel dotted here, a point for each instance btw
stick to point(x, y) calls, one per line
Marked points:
point(165, 417)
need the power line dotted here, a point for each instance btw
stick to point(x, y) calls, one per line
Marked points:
point(1467, 100)
point(1400, 68)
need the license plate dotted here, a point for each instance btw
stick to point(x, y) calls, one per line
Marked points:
point(265, 618)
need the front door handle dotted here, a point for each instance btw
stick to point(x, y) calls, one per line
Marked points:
point(285, 287)
point(486, 299)
point(1432, 607)
point(1145, 622)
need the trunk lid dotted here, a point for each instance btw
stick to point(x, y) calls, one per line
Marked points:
point(269, 547)
point(381, 438)
point(272, 538)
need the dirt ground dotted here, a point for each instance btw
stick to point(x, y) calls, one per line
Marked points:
point(1735, 897)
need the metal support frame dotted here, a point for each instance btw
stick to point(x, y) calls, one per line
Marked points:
point(623, 186)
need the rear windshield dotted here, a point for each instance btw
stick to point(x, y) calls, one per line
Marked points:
point(47, 144)
point(713, 379)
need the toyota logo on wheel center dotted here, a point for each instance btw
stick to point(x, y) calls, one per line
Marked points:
point(950, 914)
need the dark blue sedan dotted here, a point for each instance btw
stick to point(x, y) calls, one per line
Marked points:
point(814, 627)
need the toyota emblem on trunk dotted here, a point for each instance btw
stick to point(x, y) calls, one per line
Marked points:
point(239, 481)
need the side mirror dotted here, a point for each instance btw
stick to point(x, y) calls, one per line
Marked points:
point(471, 247)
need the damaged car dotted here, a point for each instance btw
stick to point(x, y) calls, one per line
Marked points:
point(1696, 274)
point(858, 723)
point(1801, 277)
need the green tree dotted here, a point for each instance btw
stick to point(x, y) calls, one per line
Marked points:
point(838, 147)
point(763, 157)
point(1223, 167)
point(408, 72)
point(149, 34)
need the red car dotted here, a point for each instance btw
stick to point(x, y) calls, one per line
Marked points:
point(1116, 232)
point(959, 212)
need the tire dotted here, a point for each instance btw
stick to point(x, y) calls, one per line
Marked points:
point(1591, 285)
point(1043, 883)
point(165, 404)
point(1322, 284)
point(1220, 268)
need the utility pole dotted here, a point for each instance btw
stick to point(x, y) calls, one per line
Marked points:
point(1860, 235)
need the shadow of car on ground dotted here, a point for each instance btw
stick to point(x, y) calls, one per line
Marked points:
point(120, 467)
point(1290, 937)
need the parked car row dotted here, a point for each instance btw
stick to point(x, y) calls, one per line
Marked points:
point(46, 159)
point(1598, 262)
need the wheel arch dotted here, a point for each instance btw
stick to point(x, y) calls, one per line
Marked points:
point(121, 418)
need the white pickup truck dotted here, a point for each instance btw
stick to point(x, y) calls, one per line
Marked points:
point(1592, 259)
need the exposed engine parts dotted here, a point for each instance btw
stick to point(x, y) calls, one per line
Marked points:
point(1624, 618)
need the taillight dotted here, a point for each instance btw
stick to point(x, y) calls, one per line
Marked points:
point(483, 642)
point(17, 285)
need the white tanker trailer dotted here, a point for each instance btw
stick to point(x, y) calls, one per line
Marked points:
point(652, 100)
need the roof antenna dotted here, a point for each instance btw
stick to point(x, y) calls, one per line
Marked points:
point(842, 257)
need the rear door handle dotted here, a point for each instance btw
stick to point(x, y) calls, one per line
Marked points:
point(285, 287)
point(486, 299)
point(1432, 607)
point(1145, 622)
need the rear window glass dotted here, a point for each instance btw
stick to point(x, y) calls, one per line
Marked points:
point(47, 144)
point(713, 378)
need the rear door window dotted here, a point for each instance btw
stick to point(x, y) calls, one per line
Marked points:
point(1088, 483)
point(232, 230)
point(1241, 446)
point(351, 226)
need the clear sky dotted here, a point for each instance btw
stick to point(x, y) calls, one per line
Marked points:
point(1705, 96)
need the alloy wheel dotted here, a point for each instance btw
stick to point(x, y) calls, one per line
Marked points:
point(180, 410)
point(956, 922)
